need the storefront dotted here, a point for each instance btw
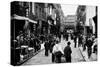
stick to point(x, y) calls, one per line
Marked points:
point(20, 41)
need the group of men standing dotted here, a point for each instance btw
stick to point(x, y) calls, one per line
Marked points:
point(56, 49)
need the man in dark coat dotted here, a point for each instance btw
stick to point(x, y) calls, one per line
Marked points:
point(89, 46)
point(34, 44)
point(52, 43)
point(66, 37)
point(75, 39)
point(47, 47)
point(80, 40)
point(67, 52)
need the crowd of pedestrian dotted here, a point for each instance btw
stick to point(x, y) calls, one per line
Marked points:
point(53, 46)
point(88, 42)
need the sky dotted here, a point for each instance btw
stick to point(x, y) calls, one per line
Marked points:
point(69, 9)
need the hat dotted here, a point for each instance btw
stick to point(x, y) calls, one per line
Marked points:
point(68, 43)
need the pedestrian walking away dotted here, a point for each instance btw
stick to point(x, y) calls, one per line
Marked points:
point(67, 52)
point(47, 46)
point(57, 53)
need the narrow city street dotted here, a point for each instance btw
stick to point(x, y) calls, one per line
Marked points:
point(67, 32)
point(40, 58)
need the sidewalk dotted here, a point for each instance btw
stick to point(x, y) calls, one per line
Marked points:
point(85, 55)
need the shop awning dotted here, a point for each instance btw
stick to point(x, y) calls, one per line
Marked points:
point(22, 18)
